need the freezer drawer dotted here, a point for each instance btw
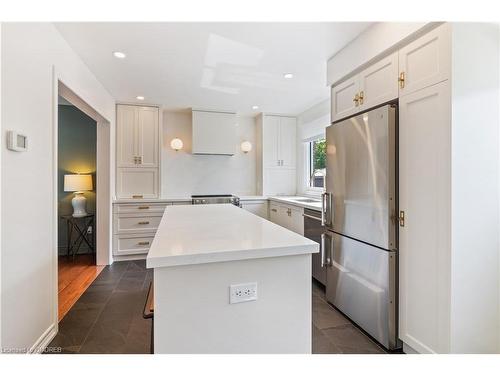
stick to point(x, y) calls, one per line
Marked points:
point(361, 282)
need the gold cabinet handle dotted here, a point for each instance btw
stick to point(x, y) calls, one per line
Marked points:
point(143, 222)
point(356, 100)
point(274, 210)
point(361, 97)
point(401, 218)
point(142, 243)
point(137, 196)
point(143, 207)
point(139, 158)
point(401, 80)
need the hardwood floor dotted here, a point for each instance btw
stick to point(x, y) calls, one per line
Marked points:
point(74, 278)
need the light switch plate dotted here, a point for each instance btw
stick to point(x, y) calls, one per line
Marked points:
point(242, 292)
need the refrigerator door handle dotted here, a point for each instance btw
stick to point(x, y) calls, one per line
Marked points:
point(323, 207)
point(326, 209)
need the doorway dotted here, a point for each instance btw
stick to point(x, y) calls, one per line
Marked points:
point(81, 170)
point(76, 200)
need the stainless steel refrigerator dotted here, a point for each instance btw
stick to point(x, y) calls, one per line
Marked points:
point(359, 215)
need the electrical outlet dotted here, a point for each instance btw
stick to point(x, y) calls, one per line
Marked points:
point(242, 292)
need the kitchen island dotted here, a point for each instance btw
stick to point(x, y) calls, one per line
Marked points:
point(207, 256)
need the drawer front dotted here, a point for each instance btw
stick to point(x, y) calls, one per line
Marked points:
point(129, 245)
point(142, 208)
point(136, 224)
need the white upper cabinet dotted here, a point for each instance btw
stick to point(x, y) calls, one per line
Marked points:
point(345, 98)
point(126, 130)
point(147, 136)
point(137, 136)
point(137, 151)
point(425, 61)
point(214, 133)
point(375, 85)
point(379, 83)
point(279, 141)
point(287, 142)
point(270, 141)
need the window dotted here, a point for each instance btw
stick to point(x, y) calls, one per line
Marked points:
point(317, 163)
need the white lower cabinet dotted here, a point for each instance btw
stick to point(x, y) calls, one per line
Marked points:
point(135, 225)
point(132, 244)
point(259, 208)
point(287, 216)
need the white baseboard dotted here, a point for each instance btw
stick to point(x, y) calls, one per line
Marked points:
point(44, 340)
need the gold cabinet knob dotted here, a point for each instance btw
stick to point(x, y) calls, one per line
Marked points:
point(401, 80)
point(356, 100)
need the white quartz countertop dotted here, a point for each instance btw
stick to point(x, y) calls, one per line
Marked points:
point(209, 233)
point(299, 201)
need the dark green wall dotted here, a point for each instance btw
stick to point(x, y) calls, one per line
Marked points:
point(77, 141)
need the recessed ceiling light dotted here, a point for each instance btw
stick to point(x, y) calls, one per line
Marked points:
point(255, 107)
point(119, 55)
point(288, 75)
point(139, 97)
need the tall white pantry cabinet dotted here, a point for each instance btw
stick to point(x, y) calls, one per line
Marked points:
point(447, 84)
point(276, 150)
point(137, 152)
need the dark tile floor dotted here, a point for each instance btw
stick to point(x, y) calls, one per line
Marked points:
point(332, 333)
point(108, 318)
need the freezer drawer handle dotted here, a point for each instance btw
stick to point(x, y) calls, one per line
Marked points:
point(326, 254)
point(322, 249)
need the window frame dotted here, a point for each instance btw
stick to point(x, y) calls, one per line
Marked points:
point(308, 163)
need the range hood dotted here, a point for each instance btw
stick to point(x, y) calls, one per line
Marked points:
point(214, 133)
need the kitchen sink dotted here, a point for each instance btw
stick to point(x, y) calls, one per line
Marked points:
point(306, 200)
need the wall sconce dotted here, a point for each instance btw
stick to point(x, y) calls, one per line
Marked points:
point(246, 147)
point(176, 144)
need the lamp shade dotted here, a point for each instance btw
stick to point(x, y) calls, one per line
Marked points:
point(77, 182)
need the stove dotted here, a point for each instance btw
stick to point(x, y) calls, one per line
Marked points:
point(213, 199)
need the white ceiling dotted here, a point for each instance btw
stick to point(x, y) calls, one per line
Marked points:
point(218, 66)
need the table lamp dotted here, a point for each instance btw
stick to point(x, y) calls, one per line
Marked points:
point(78, 183)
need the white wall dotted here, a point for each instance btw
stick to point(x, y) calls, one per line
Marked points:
point(30, 51)
point(310, 123)
point(475, 280)
point(184, 174)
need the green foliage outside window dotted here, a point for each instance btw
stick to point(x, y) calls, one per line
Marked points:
point(319, 154)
